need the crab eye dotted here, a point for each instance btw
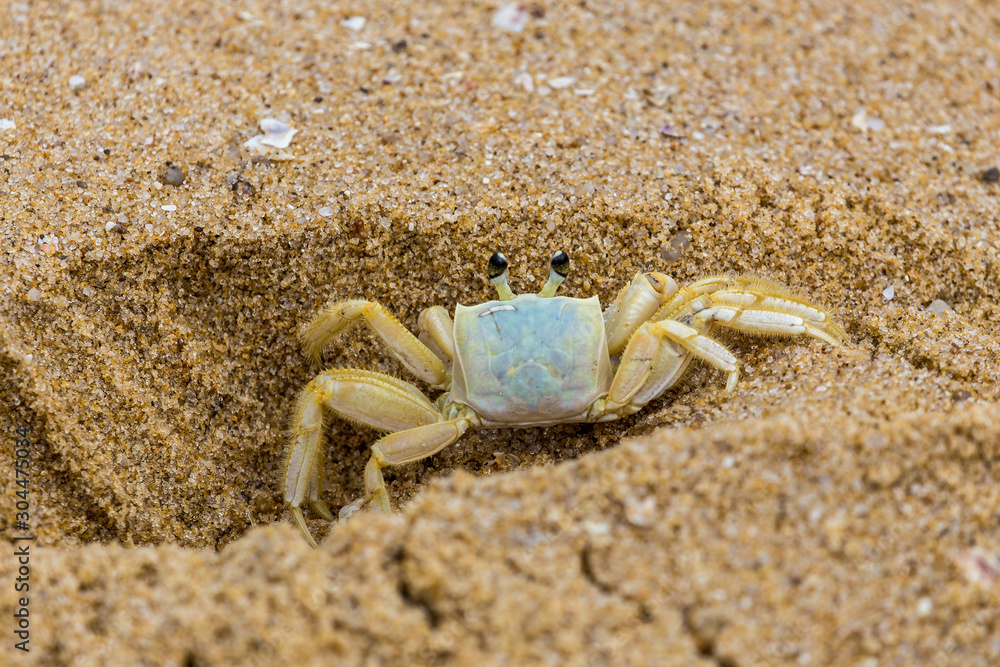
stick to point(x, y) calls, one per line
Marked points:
point(560, 263)
point(497, 266)
point(557, 274)
point(497, 271)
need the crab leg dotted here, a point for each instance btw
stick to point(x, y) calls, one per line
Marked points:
point(380, 401)
point(404, 447)
point(437, 331)
point(753, 305)
point(416, 356)
point(634, 305)
point(664, 347)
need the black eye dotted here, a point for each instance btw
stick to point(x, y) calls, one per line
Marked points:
point(497, 265)
point(560, 263)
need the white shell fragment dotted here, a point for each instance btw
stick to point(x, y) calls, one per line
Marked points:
point(640, 512)
point(979, 566)
point(7, 125)
point(524, 81)
point(561, 82)
point(277, 135)
point(512, 17)
point(862, 122)
point(889, 292)
point(937, 306)
point(350, 509)
point(355, 23)
point(76, 82)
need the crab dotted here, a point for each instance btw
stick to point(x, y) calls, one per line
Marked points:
point(525, 361)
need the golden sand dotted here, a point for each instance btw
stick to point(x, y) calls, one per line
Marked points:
point(842, 507)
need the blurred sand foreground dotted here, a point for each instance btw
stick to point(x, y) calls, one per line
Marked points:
point(842, 507)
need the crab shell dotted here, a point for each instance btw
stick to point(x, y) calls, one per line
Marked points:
point(532, 361)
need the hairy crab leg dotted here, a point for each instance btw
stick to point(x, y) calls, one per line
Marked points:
point(336, 319)
point(404, 447)
point(377, 400)
point(753, 305)
point(635, 304)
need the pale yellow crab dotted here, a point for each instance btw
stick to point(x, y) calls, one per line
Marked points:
point(526, 360)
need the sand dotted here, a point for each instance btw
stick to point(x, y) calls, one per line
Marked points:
point(841, 507)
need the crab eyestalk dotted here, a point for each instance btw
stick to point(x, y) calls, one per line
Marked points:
point(559, 269)
point(497, 271)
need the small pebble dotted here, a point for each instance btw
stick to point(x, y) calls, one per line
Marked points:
point(47, 243)
point(169, 207)
point(34, 294)
point(242, 188)
point(889, 292)
point(680, 242)
point(924, 606)
point(76, 82)
point(669, 131)
point(173, 176)
point(325, 212)
point(991, 175)
point(640, 513)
